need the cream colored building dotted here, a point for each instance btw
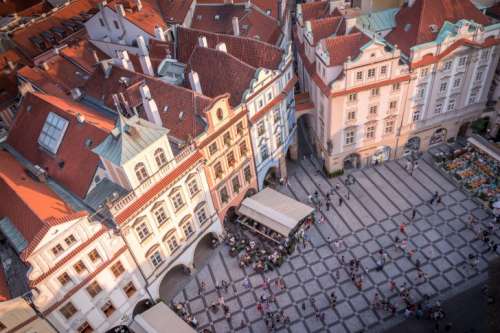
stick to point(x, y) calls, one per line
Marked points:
point(14, 312)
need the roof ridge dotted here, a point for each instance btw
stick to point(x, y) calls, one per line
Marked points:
point(222, 53)
point(323, 19)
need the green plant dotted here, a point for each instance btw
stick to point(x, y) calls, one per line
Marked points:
point(334, 173)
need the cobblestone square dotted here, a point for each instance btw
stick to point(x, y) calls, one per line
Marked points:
point(381, 199)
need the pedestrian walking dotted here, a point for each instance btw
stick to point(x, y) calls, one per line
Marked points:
point(392, 285)
point(342, 260)
point(246, 283)
point(413, 213)
point(337, 274)
point(322, 317)
point(303, 306)
point(348, 195)
point(203, 287)
point(313, 301)
point(438, 199)
point(327, 204)
point(434, 197)
point(340, 201)
point(402, 229)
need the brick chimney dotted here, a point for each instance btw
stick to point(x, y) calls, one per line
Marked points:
point(194, 80)
point(150, 106)
point(236, 25)
point(159, 33)
point(124, 60)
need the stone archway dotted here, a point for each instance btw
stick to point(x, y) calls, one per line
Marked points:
point(439, 136)
point(142, 306)
point(352, 161)
point(272, 177)
point(173, 281)
point(463, 129)
point(250, 192)
point(203, 250)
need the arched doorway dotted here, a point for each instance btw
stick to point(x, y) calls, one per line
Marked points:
point(462, 131)
point(439, 136)
point(271, 178)
point(203, 250)
point(351, 161)
point(173, 281)
point(230, 215)
point(412, 146)
point(142, 306)
point(381, 155)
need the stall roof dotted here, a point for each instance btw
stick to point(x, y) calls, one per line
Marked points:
point(160, 318)
point(275, 210)
point(485, 146)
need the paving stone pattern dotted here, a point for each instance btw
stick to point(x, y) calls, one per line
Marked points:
point(381, 199)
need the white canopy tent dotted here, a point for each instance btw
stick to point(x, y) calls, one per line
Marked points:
point(275, 210)
point(161, 319)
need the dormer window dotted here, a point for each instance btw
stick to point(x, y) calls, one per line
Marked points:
point(140, 172)
point(52, 132)
point(160, 157)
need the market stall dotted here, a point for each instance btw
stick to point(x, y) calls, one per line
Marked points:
point(477, 167)
point(161, 319)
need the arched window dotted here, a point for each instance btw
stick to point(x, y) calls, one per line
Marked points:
point(160, 157)
point(140, 172)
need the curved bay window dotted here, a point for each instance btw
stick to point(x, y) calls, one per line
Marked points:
point(140, 172)
point(160, 157)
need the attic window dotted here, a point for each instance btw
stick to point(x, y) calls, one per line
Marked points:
point(433, 28)
point(217, 17)
point(165, 108)
point(181, 116)
point(28, 108)
point(88, 142)
point(268, 12)
point(407, 27)
point(52, 132)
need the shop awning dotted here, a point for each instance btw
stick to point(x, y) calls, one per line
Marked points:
point(160, 319)
point(485, 146)
point(275, 210)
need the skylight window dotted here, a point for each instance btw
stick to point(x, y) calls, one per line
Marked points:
point(52, 132)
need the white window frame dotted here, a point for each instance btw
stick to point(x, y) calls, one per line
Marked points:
point(52, 133)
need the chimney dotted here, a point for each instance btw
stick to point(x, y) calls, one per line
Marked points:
point(236, 26)
point(124, 60)
point(76, 93)
point(150, 106)
point(120, 10)
point(349, 24)
point(221, 47)
point(45, 66)
point(138, 5)
point(248, 4)
point(80, 118)
point(411, 3)
point(159, 33)
point(194, 80)
point(147, 67)
point(202, 41)
point(11, 65)
point(96, 56)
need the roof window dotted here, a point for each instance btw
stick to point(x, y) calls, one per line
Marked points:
point(52, 132)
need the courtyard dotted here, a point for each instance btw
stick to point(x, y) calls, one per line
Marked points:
point(380, 200)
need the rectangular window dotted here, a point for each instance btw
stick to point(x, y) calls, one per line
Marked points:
point(94, 255)
point(393, 105)
point(370, 131)
point(421, 93)
point(261, 129)
point(227, 138)
point(451, 105)
point(70, 240)
point(172, 243)
point(424, 72)
point(485, 54)
point(193, 187)
point(383, 70)
point(349, 137)
point(236, 184)
point(187, 229)
point(177, 200)
point(212, 148)
point(80, 267)
point(447, 65)
point(156, 259)
point(443, 86)
point(389, 126)
point(473, 96)
point(375, 92)
point(276, 116)
point(416, 115)
point(101, 22)
point(462, 61)
point(201, 214)
point(239, 128)
point(117, 269)
point(93, 289)
point(52, 132)
point(218, 171)
point(57, 250)
point(396, 86)
point(351, 115)
point(373, 110)
point(129, 289)
point(247, 173)
point(353, 97)
point(223, 194)
point(269, 95)
point(479, 76)
point(438, 108)
point(68, 310)
point(64, 279)
point(231, 161)
point(142, 231)
point(117, 26)
point(85, 328)
point(261, 103)
point(359, 76)
point(371, 73)
point(264, 152)
point(243, 148)
point(108, 309)
point(160, 215)
point(456, 83)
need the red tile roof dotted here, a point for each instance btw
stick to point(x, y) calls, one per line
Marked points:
point(326, 27)
point(175, 11)
point(177, 99)
point(81, 52)
point(413, 23)
point(78, 162)
point(8, 7)
point(317, 10)
point(342, 47)
point(160, 49)
point(4, 287)
point(177, 172)
point(253, 23)
point(147, 18)
point(29, 204)
point(253, 52)
point(210, 63)
point(8, 78)
point(22, 36)
point(265, 5)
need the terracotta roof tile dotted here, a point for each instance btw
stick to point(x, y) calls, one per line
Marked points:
point(342, 47)
point(271, 6)
point(317, 10)
point(413, 23)
point(81, 52)
point(30, 205)
point(74, 164)
point(209, 63)
point(253, 52)
point(21, 37)
point(253, 23)
point(326, 27)
point(147, 18)
point(167, 97)
point(175, 11)
point(8, 7)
